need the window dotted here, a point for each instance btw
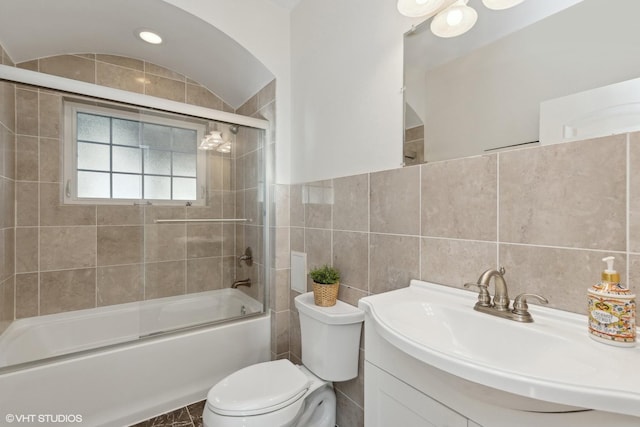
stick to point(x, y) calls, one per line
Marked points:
point(119, 155)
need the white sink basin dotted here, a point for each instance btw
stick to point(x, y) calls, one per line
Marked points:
point(551, 360)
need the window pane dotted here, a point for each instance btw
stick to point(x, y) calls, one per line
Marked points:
point(156, 136)
point(93, 128)
point(126, 132)
point(184, 189)
point(184, 140)
point(157, 162)
point(94, 185)
point(93, 156)
point(184, 164)
point(157, 187)
point(127, 160)
point(127, 186)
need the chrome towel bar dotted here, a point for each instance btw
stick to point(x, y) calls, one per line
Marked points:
point(172, 221)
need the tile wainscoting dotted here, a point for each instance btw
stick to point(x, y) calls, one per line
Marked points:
point(547, 214)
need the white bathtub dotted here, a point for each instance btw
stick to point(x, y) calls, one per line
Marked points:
point(126, 383)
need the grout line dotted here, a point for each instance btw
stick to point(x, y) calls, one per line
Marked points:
point(368, 233)
point(39, 209)
point(498, 210)
point(628, 209)
point(420, 222)
point(349, 398)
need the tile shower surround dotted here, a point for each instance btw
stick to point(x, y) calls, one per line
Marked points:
point(7, 194)
point(547, 214)
point(82, 256)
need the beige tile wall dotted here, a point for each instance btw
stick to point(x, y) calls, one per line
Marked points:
point(7, 194)
point(249, 180)
point(547, 214)
point(82, 256)
point(129, 74)
point(413, 148)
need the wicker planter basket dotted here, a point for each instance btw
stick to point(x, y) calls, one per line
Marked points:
point(325, 295)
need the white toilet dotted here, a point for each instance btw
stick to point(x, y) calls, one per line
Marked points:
point(279, 393)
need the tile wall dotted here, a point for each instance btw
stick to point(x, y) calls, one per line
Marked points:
point(249, 183)
point(7, 193)
point(413, 148)
point(83, 256)
point(547, 214)
point(128, 74)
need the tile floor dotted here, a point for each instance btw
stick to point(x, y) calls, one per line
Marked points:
point(189, 416)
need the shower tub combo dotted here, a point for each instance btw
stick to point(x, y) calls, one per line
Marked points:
point(128, 379)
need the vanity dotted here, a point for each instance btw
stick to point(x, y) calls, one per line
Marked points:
point(432, 360)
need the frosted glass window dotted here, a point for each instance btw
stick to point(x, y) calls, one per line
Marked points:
point(93, 185)
point(126, 132)
point(93, 156)
point(156, 136)
point(184, 140)
point(94, 128)
point(122, 154)
point(127, 186)
point(157, 162)
point(184, 189)
point(184, 164)
point(157, 187)
point(127, 159)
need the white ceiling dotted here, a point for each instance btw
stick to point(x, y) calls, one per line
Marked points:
point(31, 29)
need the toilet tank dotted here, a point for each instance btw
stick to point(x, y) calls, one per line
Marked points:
point(330, 338)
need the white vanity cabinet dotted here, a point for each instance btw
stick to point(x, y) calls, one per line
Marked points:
point(403, 391)
point(432, 360)
point(391, 402)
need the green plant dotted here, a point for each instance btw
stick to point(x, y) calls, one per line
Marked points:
point(325, 275)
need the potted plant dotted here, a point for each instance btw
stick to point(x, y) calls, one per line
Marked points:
point(326, 282)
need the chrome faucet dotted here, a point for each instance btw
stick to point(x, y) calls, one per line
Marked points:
point(245, 282)
point(499, 306)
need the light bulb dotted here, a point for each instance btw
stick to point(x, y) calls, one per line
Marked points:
point(454, 20)
point(500, 4)
point(150, 37)
point(454, 17)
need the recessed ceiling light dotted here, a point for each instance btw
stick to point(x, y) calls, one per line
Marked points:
point(150, 37)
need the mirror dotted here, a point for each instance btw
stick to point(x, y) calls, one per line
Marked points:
point(481, 92)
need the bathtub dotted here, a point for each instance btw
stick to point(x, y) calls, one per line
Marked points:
point(124, 382)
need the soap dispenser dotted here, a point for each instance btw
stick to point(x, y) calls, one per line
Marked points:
point(612, 310)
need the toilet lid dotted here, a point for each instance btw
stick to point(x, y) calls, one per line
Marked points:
point(258, 389)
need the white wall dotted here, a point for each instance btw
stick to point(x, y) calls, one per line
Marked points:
point(262, 28)
point(346, 85)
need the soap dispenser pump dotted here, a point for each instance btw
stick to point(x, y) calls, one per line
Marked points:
point(612, 310)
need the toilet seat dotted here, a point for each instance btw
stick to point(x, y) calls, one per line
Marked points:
point(258, 389)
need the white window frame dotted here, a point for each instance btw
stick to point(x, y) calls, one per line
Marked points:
point(74, 106)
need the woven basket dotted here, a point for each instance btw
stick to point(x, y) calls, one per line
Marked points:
point(325, 295)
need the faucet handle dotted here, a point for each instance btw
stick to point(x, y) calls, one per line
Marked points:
point(484, 299)
point(520, 303)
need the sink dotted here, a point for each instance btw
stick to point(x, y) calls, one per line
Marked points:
point(550, 365)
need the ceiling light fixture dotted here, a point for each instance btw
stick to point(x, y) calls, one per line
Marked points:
point(500, 4)
point(416, 8)
point(455, 20)
point(150, 37)
point(452, 17)
point(224, 148)
point(212, 141)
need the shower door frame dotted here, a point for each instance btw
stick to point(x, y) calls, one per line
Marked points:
point(75, 87)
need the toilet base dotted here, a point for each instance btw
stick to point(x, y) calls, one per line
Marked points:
point(319, 409)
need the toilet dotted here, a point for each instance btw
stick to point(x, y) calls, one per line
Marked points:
point(281, 394)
